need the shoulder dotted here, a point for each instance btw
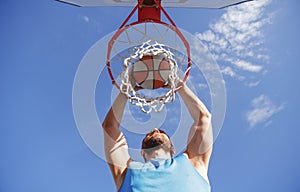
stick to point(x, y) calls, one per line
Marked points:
point(136, 165)
point(181, 157)
point(197, 163)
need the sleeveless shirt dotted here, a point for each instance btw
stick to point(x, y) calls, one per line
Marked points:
point(164, 175)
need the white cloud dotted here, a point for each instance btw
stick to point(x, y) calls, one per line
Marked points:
point(86, 19)
point(262, 110)
point(202, 86)
point(253, 84)
point(247, 66)
point(236, 38)
point(229, 71)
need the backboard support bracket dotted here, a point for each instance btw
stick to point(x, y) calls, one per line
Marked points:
point(149, 10)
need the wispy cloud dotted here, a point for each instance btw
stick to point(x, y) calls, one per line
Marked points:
point(236, 39)
point(91, 21)
point(262, 110)
point(86, 19)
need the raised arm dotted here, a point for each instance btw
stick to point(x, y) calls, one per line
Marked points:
point(200, 138)
point(116, 148)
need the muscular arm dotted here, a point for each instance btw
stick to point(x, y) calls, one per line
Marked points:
point(116, 148)
point(200, 138)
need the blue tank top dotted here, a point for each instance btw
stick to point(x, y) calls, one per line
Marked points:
point(164, 175)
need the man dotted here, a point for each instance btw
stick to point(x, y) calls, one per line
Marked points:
point(161, 172)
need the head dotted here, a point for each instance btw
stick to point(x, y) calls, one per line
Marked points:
point(157, 144)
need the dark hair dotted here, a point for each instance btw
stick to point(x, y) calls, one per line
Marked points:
point(150, 143)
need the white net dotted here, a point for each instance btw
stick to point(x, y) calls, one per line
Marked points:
point(147, 104)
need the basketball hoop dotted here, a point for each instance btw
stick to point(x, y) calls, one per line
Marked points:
point(132, 41)
point(147, 104)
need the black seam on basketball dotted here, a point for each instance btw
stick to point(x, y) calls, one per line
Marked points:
point(147, 70)
point(163, 59)
point(160, 75)
point(153, 72)
point(145, 64)
point(140, 84)
point(147, 75)
point(163, 69)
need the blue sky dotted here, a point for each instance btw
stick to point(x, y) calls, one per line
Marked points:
point(43, 43)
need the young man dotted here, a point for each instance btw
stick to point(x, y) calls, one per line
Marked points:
point(161, 172)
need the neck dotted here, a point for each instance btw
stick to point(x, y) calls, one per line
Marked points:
point(160, 153)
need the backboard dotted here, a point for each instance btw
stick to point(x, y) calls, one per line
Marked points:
point(165, 3)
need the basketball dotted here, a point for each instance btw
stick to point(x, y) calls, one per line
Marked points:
point(151, 71)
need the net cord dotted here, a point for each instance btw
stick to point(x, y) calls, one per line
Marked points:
point(147, 104)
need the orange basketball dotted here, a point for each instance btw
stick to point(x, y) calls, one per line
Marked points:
point(151, 72)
